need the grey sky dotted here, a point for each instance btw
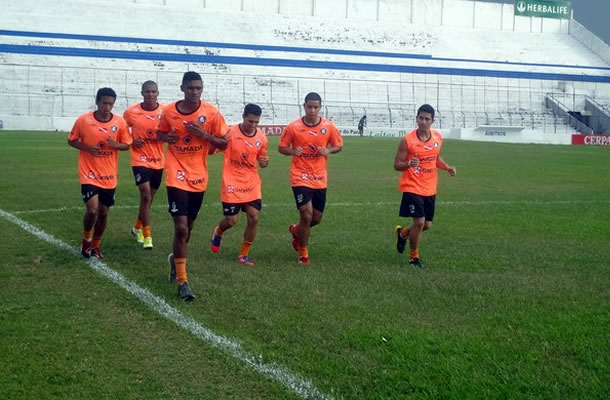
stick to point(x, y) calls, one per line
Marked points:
point(593, 14)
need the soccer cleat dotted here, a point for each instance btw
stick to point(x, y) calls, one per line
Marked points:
point(137, 233)
point(147, 243)
point(400, 241)
point(416, 262)
point(95, 252)
point(85, 248)
point(245, 260)
point(184, 291)
point(172, 267)
point(215, 242)
point(304, 260)
point(295, 239)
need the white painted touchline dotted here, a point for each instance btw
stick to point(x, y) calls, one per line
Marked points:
point(288, 379)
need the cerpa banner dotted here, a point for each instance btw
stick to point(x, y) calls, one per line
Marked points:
point(544, 8)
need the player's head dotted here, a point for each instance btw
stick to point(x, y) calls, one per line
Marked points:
point(252, 116)
point(425, 116)
point(192, 86)
point(104, 100)
point(150, 92)
point(312, 105)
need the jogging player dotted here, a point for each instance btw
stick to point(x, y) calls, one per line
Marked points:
point(309, 140)
point(241, 183)
point(98, 135)
point(146, 157)
point(418, 157)
point(190, 126)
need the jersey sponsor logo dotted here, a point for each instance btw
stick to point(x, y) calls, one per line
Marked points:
point(143, 158)
point(173, 208)
point(91, 175)
point(304, 176)
point(101, 145)
point(150, 132)
point(180, 175)
point(230, 189)
point(417, 170)
point(202, 119)
point(187, 139)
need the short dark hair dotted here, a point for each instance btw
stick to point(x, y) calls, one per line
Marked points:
point(252, 109)
point(149, 83)
point(313, 96)
point(105, 91)
point(191, 76)
point(427, 108)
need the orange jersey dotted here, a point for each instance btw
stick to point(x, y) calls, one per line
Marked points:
point(186, 165)
point(310, 168)
point(99, 170)
point(240, 180)
point(421, 180)
point(143, 124)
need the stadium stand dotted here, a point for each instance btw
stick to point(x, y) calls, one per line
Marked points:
point(475, 62)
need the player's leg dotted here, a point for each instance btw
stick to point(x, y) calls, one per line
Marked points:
point(252, 213)
point(303, 229)
point(91, 198)
point(148, 190)
point(99, 229)
point(230, 212)
point(136, 230)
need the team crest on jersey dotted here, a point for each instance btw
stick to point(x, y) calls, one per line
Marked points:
point(188, 139)
point(258, 144)
point(436, 145)
point(158, 116)
point(113, 128)
point(102, 129)
point(180, 175)
point(323, 131)
point(201, 119)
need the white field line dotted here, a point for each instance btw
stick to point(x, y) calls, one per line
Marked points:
point(353, 204)
point(288, 379)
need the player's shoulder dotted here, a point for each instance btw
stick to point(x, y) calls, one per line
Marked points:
point(436, 134)
point(208, 108)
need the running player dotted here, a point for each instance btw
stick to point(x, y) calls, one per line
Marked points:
point(241, 184)
point(190, 126)
point(309, 141)
point(98, 136)
point(418, 157)
point(146, 157)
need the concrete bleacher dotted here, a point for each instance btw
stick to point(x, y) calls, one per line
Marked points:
point(388, 98)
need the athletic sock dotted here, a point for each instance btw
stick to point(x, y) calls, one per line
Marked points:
point(180, 270)
point(96, 242)
point(147, 231)
point(414, 254)
point(137, 224)
point(88, 235)
point(404, 233)
point(217, 231)
point(245, 248)
point(303, 252)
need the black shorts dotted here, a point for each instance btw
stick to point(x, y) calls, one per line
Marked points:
point(234, 208)
point(105, 196)
point(304, 194)
point(143, 175)
point(416, 206)
point(182, 202)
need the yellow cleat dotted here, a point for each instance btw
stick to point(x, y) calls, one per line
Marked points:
point(147, 243)
point(137, 233)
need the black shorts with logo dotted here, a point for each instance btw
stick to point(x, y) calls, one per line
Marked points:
point(143, 175)
point(304, 194)
point(182, 202)
point(105, 196)
point(416, 206)
point(234, 208)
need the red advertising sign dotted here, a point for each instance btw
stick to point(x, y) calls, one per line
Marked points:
point(590, 140)
point(272, 130)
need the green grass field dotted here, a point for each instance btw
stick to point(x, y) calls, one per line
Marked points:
point(514, 302)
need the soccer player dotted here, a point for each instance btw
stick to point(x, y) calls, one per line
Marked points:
point(309, 140)
point(189, 126)
point(241, 184)
point(146, 157)
point(98, 135)
point(418, 157)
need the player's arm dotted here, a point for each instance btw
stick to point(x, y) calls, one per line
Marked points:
point(285, 145)
point(113, 144)
point(440, 163)
point(400, 161)
point(77, 144)
point(329, 150)
point(220, 142)
point(170, 137)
